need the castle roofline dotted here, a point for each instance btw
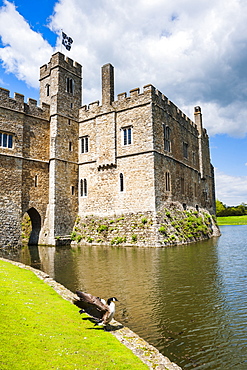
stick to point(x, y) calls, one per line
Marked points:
point(17, 103)
point(59, 59)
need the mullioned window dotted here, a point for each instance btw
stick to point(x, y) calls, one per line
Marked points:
point(6, 140)
point(84, 144)
point(127, 135)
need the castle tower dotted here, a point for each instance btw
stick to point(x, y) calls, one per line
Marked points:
point(60, 87)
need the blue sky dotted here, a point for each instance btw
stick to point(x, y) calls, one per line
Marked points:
point(193, 52)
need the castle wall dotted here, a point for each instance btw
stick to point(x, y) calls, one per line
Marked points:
point(133, 156)
point(104, 196)
point(107, 156)
point(10, 200)
point(24, 166)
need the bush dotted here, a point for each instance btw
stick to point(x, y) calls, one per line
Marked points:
point(102, 228)
point(134, 238)
point(162, 230)
point(78, 238)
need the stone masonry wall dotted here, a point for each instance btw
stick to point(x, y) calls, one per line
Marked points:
point(10, 200)
point(172, 225)
point(24, 167)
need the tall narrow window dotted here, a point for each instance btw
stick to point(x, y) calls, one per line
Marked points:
point(6, 140)
point(121, 182)
point(10, 141)
point(167, 141)
point(84, 144)
point(185, 150)
point(127, 136)
point(194, 158)
point(69, 85)
point(83, 187)
point(47, 89)
point(72, 190)
point(168, 186)
point(70, 146)
point(35, 181)
point(195, 189)
point(182, 185)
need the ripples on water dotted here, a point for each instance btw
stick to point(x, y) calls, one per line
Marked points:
point(188, 301)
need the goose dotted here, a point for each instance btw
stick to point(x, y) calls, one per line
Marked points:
point(100, 310)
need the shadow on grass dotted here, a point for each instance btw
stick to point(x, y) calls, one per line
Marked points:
point(107, 327)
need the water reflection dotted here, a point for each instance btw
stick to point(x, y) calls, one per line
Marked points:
point(188, 301)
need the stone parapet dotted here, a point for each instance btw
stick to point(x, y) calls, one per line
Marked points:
point(17, 104)
point(63, 62)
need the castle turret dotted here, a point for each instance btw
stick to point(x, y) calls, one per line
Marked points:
point(60, 87)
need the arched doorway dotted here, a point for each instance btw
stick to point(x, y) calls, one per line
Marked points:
point(32, 226)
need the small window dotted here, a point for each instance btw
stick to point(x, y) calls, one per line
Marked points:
point(195, 189)
point(35, 181)
point(6, 140)
point(72, 190)
point(127, 136)
point(69, 121)
point(47, 90)
point(194, 158)
point(182, 185)
point(121, 182)
point(185, 150)
point(70, 146)
point(69, 85)
point(83, 187)
point(84, 144)
point(167, 141)
point(168, 185)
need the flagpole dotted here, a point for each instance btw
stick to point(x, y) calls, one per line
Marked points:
point(61, 39)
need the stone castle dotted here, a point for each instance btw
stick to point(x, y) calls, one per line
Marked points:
point(134, 157)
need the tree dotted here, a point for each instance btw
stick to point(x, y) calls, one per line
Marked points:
point(223, 210)
point(220, 208)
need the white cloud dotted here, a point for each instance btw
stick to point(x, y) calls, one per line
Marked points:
point(231, 190)
point(194, 52)
point(24, 50)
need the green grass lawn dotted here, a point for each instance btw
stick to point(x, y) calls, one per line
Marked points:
point(40, 330)
point(232, 220)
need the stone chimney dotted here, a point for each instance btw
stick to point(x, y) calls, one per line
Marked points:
point(107, 84)
point(198, 119)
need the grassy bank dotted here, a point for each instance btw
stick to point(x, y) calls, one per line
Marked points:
point(232, 220)
point(40, 330)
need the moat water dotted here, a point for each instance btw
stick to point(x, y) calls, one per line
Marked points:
point(189, 301)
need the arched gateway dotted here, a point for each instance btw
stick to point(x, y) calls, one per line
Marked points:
point(36, 226)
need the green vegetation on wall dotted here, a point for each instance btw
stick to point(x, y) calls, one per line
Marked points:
point(179, 227)
point(173, 226)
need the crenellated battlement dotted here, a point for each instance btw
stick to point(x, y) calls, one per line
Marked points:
point(17, 103)
point(58, 59)
point(137, 97)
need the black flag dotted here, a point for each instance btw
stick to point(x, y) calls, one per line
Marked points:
point(66, 41)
